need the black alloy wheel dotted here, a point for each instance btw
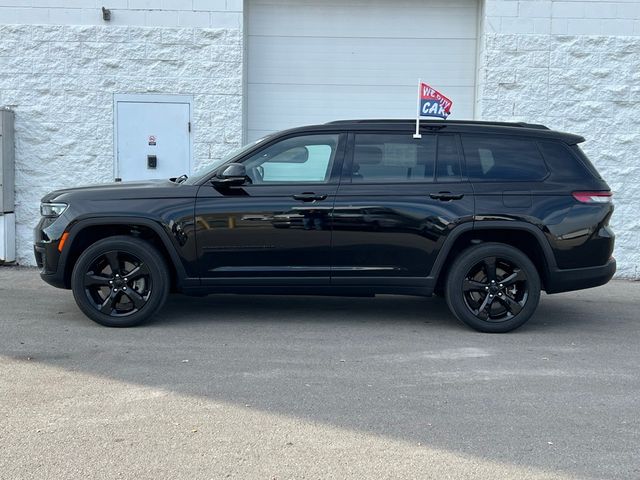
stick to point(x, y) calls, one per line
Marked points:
point(493, 287)
point(120, 281)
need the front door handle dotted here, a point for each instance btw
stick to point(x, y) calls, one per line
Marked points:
point(446, 196)
point(309, 197)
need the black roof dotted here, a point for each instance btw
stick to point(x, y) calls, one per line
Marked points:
point(468, 126)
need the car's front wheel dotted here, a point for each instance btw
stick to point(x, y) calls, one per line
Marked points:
point(120, 281)
point(493, 287)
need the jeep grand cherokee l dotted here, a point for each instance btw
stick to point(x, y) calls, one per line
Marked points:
point(486, 214)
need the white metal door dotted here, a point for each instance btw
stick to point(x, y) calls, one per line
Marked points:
point(312, 61)
point(152, 139)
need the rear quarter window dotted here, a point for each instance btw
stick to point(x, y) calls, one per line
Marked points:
point(562, 161)
point(503, 158)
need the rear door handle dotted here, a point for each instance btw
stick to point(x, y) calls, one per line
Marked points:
point(309, 197)
point(446, 196)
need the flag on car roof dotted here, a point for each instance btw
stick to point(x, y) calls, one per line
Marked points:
point(433, 103)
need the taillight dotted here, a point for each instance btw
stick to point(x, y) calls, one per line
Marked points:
point(593, 197)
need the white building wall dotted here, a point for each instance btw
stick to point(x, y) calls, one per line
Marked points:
point(60, 78)
point(574, 66)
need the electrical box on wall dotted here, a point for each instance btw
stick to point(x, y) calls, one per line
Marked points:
point(7, 198)
point(7, 166)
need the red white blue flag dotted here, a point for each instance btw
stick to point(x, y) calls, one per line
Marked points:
point(433, 103)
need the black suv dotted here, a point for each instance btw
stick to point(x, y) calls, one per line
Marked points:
point(486, 214)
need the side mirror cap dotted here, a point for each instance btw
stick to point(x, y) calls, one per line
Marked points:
point(233, 174)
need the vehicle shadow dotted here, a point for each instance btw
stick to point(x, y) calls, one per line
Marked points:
point(401, 367)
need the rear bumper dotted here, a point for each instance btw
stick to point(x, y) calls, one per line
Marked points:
point(561, 280)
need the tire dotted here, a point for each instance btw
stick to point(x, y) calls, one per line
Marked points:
point(120, 281)
point(493, 288)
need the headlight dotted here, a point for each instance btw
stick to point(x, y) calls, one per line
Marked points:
point(52, 209)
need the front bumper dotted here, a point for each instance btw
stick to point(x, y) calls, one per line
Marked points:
point(45, 249)
point(566, 280)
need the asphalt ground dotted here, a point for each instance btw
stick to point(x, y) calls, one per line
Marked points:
point(259, 387)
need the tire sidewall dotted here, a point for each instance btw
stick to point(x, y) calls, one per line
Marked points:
point(147, 254)
point(474, 255)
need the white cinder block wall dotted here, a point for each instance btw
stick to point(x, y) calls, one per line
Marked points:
point(61, 64)
point(574, 66)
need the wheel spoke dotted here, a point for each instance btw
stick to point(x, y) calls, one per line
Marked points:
point(137, 299)
point(490, 268)
point(114, 262)
point(484, 310)
point(109, 304)
point(511, 305)
point(91, 280)
point(517, 276)
point(140, 270)
point(473, 285)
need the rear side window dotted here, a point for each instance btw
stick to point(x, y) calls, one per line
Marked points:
point(498, 158)
point(585, 161)
point(381, 158)
point(561, 160)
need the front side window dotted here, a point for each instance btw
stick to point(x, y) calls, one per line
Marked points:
point(384, 158)
point(498, 158)
point(307, 158)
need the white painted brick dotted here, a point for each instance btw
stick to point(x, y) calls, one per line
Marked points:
point(628, 10)
point(112, 4)
point(61, 81)
point(210, 5)
point(583, 26)
point(19, 14)
point(568, 9)
point(16, 3)
point(226, 20)
point(517, 25)
point(616, 26)
point(194, 19)
point(162, 18)
point(559, 26)
point(501, 8)
point(145, 4)
point(542, 25)
point(65, 16)
point(235, 5)
point(536, 8)
point(600, 10)
point(123, 17)
point(177, 4)
point(63, 3)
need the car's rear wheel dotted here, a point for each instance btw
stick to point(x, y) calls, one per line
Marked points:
point(120, 281)
point(493, 287)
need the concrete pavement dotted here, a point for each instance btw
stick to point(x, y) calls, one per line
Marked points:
point(304, 387)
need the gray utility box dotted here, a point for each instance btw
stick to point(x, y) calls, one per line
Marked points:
point(7, 163)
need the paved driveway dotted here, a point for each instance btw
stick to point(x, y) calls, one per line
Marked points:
point(300, 387)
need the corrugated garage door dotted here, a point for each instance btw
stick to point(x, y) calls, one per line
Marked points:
point(312, 61)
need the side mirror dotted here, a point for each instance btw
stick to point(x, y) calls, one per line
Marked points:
point(233, 174)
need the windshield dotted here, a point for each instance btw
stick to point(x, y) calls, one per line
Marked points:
point(206, 170)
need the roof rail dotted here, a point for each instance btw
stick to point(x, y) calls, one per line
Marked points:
point(444, 122)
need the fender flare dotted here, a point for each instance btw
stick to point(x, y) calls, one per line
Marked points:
point(79, 225)
point(539, 235)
